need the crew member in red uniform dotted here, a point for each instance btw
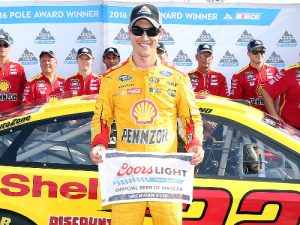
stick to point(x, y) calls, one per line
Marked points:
point(204, 79)
point(12, 78)
point(85, 82)
point(287, 86)
point(248, 83)
point(47, 85)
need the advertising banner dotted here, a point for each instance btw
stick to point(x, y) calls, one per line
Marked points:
point(134, 177)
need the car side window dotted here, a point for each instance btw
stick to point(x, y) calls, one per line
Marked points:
point(231, 151)
point(66, 142)
point(6, 140)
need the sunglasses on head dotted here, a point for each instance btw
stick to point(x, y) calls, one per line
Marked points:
point(139, 31)
point(255, 52)
point(5, 45)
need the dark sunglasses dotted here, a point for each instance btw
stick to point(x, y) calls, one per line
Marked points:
point(254, 52)
point(139, 31)
point(5, 45)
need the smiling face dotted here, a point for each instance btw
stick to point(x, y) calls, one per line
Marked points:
point(144, 47)
point(48, 65)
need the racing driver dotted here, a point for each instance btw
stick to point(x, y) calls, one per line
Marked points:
point(145, 97)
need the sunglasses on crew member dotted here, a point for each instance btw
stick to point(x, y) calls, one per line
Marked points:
point(139, 31)
point(255, 52)
point(4, 45)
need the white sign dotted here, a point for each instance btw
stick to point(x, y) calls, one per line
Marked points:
point(135, 177)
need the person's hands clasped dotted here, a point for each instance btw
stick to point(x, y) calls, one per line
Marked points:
point(198, 156)
point(95, 154)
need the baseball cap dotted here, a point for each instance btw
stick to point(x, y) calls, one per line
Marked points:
point(148, 12)
point(4, 37)
point(48, 52)
point(85, 51)
point(204, 48)
point(254, 44)
point(161, 46)
point(112, 50)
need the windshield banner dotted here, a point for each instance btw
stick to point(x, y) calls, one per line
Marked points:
point(135, 177)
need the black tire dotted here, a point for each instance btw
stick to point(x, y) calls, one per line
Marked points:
point(12, 218)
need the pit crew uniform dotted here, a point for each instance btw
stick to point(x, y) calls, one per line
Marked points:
point(145, 105)
point(213, 83)
point(40, 90)
point(287, 85)
point(76, 86)
point(12, 83)
point(247, 84)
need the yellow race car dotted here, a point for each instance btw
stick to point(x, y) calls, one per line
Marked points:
point(250, 173)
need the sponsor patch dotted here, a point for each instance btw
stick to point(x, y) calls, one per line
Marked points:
point(144, 112)
point(133, 91)
point(166, 73)
point(125, 77)
point(143, 136)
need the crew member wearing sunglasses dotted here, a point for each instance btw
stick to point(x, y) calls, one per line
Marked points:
point(145, 96)
point(12, 78)
point(247, 84)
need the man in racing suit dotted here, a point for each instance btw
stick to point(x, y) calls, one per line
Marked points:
point(287, 85)
point(248, 83)
point(46, 86)
point(12, 78)
point(145, 97)
point(85, 82)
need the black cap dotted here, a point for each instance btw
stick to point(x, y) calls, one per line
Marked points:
point(85, 51)
point(161, 47)
point(254, 44)
point(204, 48)
point(112, 50)
point(148, 12)
point(48, 52)
point(4, 37)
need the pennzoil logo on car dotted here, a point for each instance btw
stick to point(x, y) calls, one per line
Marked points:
point(15, 122)
point(125, 77)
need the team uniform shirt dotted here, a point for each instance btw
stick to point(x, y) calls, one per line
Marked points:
point(247, 84)
point(40, 89)
point(12, 83)
point(287, 85)
point(76, 86)
point(213, 83)
point(145, 105)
